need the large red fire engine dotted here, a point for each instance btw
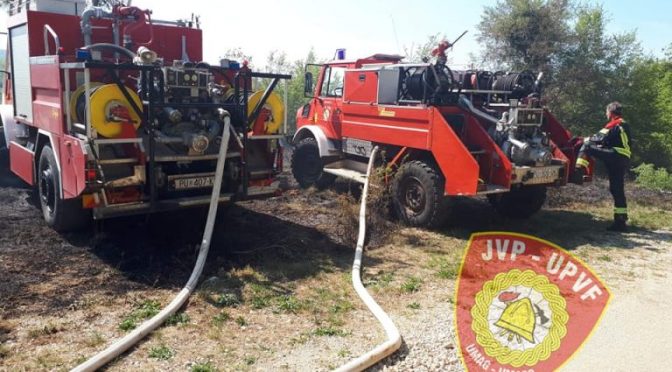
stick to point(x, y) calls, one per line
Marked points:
point(110, 112)
point(443, 132)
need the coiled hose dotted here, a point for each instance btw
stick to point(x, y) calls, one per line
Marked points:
point(116, 349)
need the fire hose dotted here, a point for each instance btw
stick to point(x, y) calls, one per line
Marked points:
point(360, 363)
point(119, 347)
point(393, 341)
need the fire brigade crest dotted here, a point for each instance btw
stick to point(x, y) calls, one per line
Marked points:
point(523, 303)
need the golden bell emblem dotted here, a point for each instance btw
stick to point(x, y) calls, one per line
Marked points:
point(518, 319)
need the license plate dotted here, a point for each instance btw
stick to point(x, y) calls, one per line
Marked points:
point(193, 183)
point(357, 147)
point(544, 175)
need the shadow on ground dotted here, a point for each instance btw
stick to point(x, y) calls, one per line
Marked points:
point(156, 252)
point(567, 228)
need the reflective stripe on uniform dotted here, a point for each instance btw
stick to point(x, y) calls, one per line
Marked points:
point(581, 162)
point(625, 150)
point(620, 210)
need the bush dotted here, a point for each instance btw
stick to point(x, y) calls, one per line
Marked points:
point(650, 177)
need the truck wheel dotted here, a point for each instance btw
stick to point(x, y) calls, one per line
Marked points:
point(417, 195)
point(519, 203)
point(307, 165)
point(61, 215)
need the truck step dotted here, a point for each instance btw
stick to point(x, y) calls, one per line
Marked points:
point(491, 189)
point(349, 174)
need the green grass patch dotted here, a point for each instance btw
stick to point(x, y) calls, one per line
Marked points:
point(178, 318)
point(413, 306)
point(650, 177)
point(221, 318)
point(142, 311)
point(203, 367)
point(381, 280)
point(330, 331)
point(95, 339)
point(241, 321)
point(411, 285)
point(289, 304)
point(261, 296)
point(250, 360)
point(227, 300)
point(444, 266)
point(162, 352)
point(605, 258)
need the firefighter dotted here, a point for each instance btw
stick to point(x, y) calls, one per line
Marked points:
point(611, 146)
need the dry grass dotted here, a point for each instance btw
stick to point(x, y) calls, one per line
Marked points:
point(276, 292)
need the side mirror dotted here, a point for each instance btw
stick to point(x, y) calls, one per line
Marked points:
point(308, 85)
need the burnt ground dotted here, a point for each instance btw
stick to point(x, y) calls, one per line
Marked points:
point(285, 264)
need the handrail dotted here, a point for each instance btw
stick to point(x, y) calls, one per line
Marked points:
point(48, 30)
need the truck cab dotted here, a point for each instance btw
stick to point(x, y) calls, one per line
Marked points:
point(443, 133)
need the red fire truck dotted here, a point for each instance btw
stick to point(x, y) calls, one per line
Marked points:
point(444, 133)
point(108, 112)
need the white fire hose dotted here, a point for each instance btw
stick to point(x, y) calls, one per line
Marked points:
point(393, 337)
point(116, 349)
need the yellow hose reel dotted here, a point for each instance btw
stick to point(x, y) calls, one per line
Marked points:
point(105, 100)
point(274, 105)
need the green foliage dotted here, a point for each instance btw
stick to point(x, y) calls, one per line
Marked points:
point(227, 300)
point(411, 285)
point(144, 310)
point(650, 177)
point(162, 352)
point(127, 324)
point(330, 330)
point(241, 321)
point(221, 318)
point(277, 62)
point(289, 304)
point(413, 306)
point(417, 52)
point(586, 68)
point(525, 34)
point(203, 367)
point(178, 318)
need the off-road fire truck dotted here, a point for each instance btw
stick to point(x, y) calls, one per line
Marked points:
point(108, 112)
point(443, 133)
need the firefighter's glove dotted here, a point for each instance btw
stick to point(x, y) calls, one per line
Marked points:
point(596, 139)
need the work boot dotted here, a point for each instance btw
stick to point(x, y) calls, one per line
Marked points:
point(619, 224)
point(577, 175)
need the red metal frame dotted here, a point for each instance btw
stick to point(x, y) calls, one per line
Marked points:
point(48, 84)
point(422, 128)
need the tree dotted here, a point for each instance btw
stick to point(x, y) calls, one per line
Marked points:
point(416, 52)
point(277, 62)
point(593, 69)
point(525, 34)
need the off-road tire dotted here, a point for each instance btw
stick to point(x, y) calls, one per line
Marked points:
point(519, 203)
point(61, 215)
point(417, 195)
point(307, 165)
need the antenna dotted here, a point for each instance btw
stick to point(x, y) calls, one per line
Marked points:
point(394, 30)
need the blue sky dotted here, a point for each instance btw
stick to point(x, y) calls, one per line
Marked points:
point(365, 27)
